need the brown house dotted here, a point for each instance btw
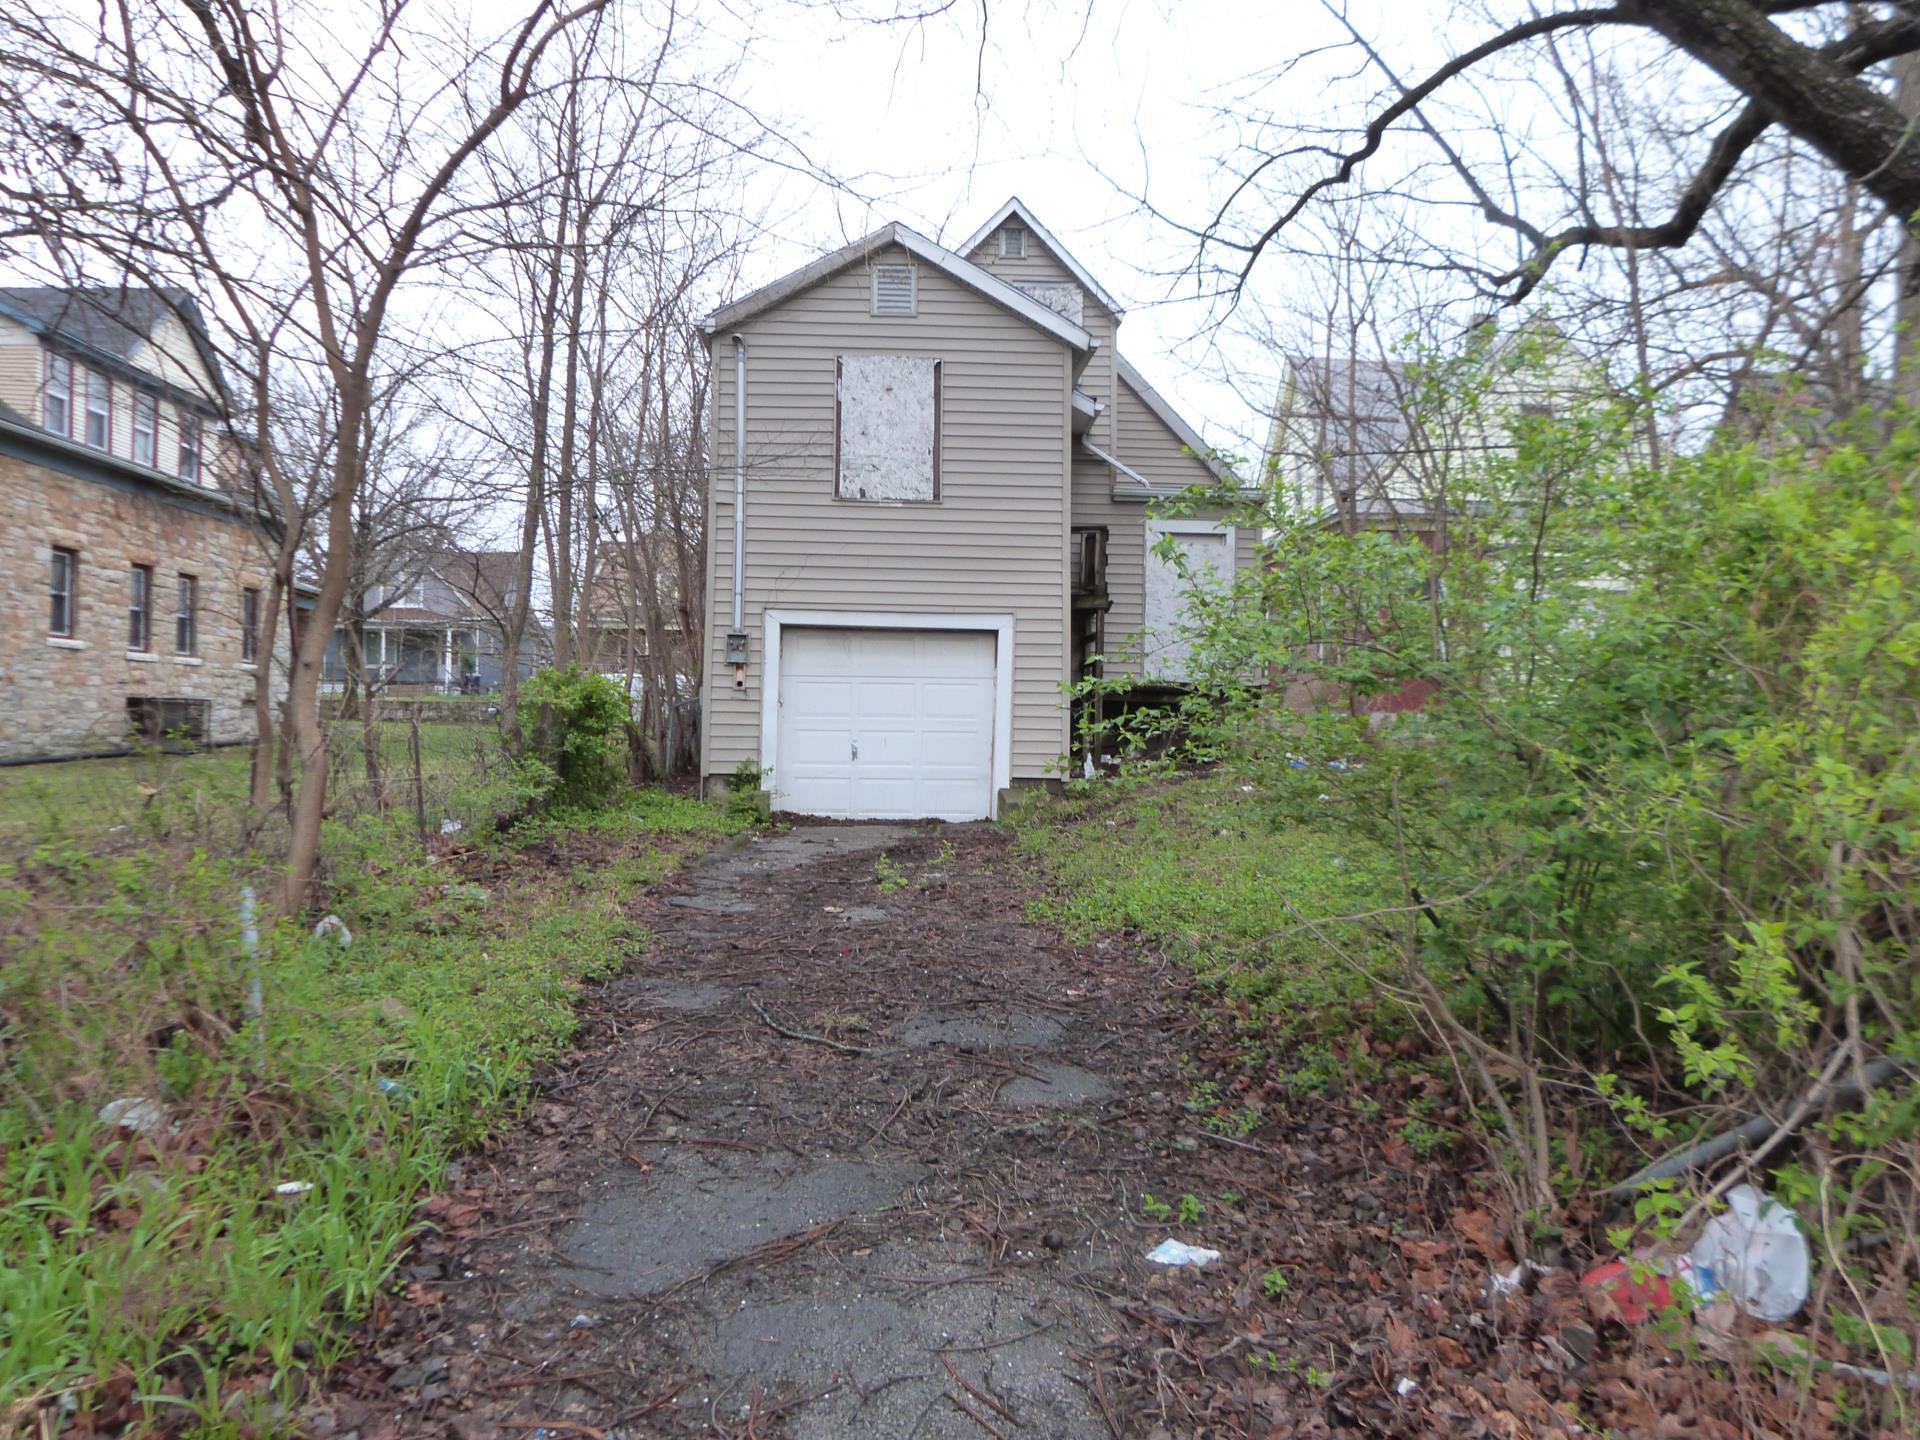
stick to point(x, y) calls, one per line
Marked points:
point(133, 569)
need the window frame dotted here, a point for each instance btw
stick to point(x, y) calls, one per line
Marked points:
point(104, 382)
point(51, 387)
point(140, 609)
point(146, 404)
point(63, 592)
point(186, 614)
point(250, 625)
point(192, 443)
point(939, 433)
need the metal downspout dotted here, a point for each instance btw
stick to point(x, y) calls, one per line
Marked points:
point(739, 478)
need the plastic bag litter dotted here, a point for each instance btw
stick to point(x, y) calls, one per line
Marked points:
point(333, 925)
point(1757, 1254)
point(138, 1114)
point(1173, 1252)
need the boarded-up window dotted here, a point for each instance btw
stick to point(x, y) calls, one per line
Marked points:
point(893, 290)
point(886, 433)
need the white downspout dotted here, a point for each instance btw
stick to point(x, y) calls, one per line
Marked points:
point(739, 478)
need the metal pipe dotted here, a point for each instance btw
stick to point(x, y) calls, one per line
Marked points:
point(739, 477)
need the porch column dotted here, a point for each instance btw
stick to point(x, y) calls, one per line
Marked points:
point(446, 661)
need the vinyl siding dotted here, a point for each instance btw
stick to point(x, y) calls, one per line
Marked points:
point(995, 543)
point(20, 370)
point(1039, 266)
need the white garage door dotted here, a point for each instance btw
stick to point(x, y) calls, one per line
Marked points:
point(885, 724)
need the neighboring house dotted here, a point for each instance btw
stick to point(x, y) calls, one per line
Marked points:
point(945, 468)
point(1359, 440)
point(132, 548)
point(617, 622)
point(440, 632)
point(1361, 443)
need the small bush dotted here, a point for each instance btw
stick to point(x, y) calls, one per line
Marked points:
point(583, 727)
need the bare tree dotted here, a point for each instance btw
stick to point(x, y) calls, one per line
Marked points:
point(1816, 91)
point(595, 389)
point(300, 165)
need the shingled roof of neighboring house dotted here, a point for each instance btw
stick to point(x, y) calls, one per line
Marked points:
point(483, 579)
point(1346, 415)
point(110, 323)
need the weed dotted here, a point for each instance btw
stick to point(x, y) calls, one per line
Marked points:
point(1274, 1283)
point(890, 875)
point(1426, 1139)
point(1191, 1209)
point(1155, 1209)
point(178, 1266)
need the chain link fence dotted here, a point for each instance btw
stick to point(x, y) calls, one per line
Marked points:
point(441, 775)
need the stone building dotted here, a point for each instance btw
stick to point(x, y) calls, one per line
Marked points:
point(132, 573)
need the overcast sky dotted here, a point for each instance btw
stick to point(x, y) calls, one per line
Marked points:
point(1074, 106)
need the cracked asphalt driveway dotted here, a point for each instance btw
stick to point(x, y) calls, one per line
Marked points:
point(853, 1149)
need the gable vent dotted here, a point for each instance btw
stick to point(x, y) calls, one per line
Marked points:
point(893, 290)
point(1013, 243)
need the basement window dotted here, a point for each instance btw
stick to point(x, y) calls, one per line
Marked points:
point(175, 724)
point(894, 290)
point(886, 428)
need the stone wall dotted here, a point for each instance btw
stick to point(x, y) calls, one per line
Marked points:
point(65, 695)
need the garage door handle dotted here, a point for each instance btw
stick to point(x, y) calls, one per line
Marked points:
point(856, 750)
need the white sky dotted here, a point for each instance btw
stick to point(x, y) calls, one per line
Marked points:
point(1079, 101)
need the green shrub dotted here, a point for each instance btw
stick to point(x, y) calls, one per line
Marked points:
point(583, 726)
point(1651, 842)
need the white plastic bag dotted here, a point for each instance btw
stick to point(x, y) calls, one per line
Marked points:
point(1756, 1253)
point(1173, 1252)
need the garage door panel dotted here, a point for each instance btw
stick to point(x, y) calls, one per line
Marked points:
point(882, 700)
point(881, 724)
point(879, 652)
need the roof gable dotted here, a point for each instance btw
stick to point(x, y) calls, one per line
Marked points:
point(1016, 206)
point(1169, 417)
point(128, 326)
point(988, 286)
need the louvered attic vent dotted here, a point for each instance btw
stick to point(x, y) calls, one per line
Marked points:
point(893, 292)
point(1013, 243)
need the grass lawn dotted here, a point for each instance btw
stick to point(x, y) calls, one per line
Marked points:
point(187, 1274)
point(1235, 887)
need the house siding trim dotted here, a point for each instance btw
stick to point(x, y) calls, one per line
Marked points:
point(1018, 207)
point(73, 457)
point(982, 282)
point(1167, 415)
point(1001, 627)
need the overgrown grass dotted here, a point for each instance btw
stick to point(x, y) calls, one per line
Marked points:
point(1235, 888)
point(160, 1279)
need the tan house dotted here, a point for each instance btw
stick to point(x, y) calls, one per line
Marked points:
point(930, 511)
point(133, 568)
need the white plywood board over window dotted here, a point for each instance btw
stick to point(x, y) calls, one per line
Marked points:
point(1205, 560)
point(889, 428)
